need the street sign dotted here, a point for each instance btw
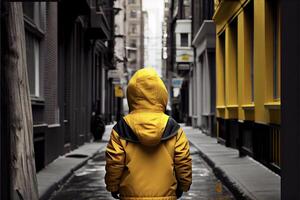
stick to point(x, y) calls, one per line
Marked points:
point(119, 91)
point(116, 81)
point(184, 56)
point(177, 82)
point(183, 66)
point(113, 73)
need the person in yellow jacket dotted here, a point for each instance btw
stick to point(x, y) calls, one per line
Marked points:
point(147, 156)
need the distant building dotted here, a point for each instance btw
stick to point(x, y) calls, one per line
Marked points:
point(120, 56)
point(134, 36)
point(164, 51)
point(180, 58)
point(146, 37)
point(203, 81)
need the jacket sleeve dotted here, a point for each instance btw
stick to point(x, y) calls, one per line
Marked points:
point(115, 162)
point(183, 161)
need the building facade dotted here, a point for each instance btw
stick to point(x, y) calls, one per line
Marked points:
point(248, 61)
point(146, 37)
point(134, 36)
point(180, 58)
point(120, 57)
point(68, 55)
point(202, 102)
point(164, 52)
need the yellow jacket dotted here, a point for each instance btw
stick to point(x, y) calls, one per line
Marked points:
point(147, 156)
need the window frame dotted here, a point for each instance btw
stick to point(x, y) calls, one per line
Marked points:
point(187, 40)
point(131, 1)
point(135, 12)
point(35, 28)
point(133, 27)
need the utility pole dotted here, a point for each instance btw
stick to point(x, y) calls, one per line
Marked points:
point(18, 122)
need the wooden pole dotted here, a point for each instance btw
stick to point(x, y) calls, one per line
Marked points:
point(23, 182)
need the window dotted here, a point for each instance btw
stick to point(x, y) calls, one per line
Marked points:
point(33, 61)
point(175, 8)
point(232, 62)
point(98, 5)
point(276, 52)
point(28, 10)
point(33, 13)
point(132, 55)
point(222, 59)
point(133, 29)
point(184, 39)
point(33, 35)
point(249, 69)
point(131, 1)
point(273, 56)
point(187, 9)
point(133, 13)
point(132, 43)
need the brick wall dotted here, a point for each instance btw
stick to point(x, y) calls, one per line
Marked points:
point(51, 63)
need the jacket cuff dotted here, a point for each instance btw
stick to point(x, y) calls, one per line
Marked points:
point(112, 188)
point(185, 188)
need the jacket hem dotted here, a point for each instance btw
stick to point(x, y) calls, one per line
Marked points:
point(149, 198)
point(112, 188)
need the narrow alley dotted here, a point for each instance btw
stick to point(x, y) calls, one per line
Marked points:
point(225, 72)
point(88, 182)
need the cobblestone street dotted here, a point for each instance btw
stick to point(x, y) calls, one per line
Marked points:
point(88, 182)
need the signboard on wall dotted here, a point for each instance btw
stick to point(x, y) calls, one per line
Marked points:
point(119, 91)
point(177, 82)
point(116, 81)
point(183, 66)
point(184, 55)
point(113, 74)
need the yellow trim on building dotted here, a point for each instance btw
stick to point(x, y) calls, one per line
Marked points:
point(246, 58)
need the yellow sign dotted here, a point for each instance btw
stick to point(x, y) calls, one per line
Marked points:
point(219, 187)
point(185, 57)
point(118, 91)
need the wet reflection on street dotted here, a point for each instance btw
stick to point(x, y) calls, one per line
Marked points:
point(88, 182)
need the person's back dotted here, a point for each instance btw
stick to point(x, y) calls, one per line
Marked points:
point(147, 156)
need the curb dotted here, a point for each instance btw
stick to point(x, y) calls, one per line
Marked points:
point(56, 186)
point(234, 188)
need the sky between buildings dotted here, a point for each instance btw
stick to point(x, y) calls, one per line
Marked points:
point(153, 37)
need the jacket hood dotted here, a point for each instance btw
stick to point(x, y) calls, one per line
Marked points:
point(146, 91)
point(148, 127)
point(147, 99)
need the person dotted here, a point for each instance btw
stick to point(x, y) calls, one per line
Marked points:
point(147, 156)
point(97, 126)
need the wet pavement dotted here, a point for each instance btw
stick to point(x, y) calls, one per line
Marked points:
point(88, 182)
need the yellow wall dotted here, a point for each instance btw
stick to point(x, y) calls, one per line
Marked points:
point(234, 99)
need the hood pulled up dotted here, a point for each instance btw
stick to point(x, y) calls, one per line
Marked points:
point(147, 98)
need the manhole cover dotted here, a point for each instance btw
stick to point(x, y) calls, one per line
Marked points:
point(77, 156)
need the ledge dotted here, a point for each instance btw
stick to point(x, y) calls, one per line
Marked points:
point(54, 125)
point(37, 101)
point(221, 107)
point(273, 105)
point(233, 106)
point(248, 106)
